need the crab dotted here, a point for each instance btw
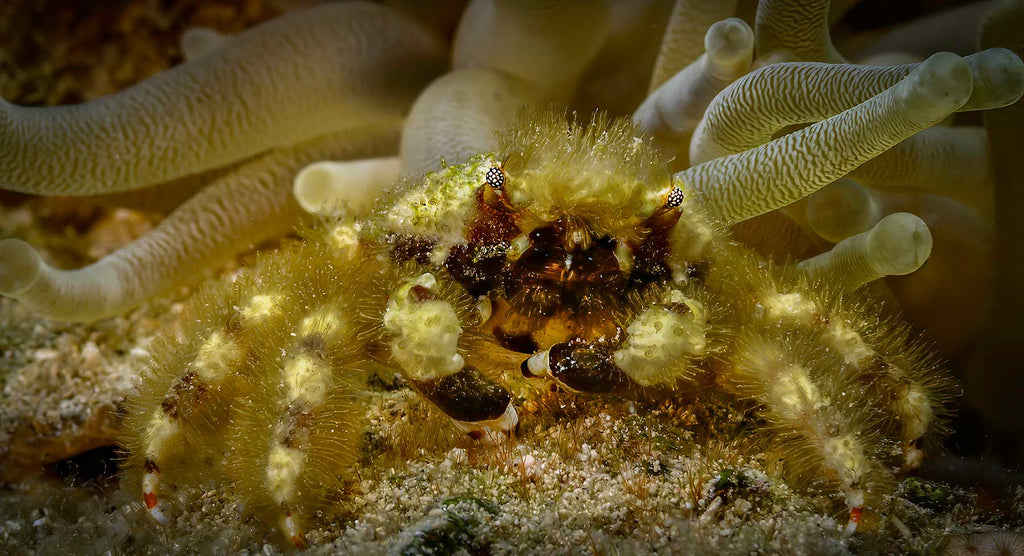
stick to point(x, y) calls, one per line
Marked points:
point(579, 255)
point(570, 255)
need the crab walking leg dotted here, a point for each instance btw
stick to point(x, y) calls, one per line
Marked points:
point(677, 106)
point(181, 421)
point(681, 44)
point(244, 208)
point(899, 244)
point(659, 347)
point(744, 185)
point(912, 402)
point(186, 401)
point(298, 432)
point(950, 161)
point(908, 397)
point(799, 26)
point(833, 434)
point(757, 106)
point(425, 325)
point(290, 80)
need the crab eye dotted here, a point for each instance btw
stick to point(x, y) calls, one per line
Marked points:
point(495, 177)
point(675, 198)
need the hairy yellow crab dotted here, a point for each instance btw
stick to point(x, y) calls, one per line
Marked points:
point(573, 256)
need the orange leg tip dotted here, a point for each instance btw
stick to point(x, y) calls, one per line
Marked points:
point(855, 516)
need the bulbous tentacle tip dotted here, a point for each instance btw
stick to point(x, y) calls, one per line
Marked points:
point(729, 40)
point(20, 266)
point(940, 85)
point(841, 209)
point(900, 243)
point(998, 78)
point(351, 186)
point(197, 42)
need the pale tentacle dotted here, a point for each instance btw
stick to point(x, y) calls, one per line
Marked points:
point(954, 30)
point(457, 116)
point(293, 79)
point(751, 110)
point(787, 169)
point(998, 79)
point(616, 79)
point(995, 383)
point(681, 44)
point(506, 55)
point(950, 161)
point(197, 42)
point(958, 271)
point(841, 209)
point(799, 26)
point(899, 244)
point(778, 236)
point(545, 43)
point(349, 186)
point(164, 197)
point(674, 109)
point(242, 209)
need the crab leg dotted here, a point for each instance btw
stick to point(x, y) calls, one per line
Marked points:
point(812, 422)
point(896, 381)
point(188, 395)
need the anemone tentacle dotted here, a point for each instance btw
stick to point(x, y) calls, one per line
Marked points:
point(268, 88)
point(457, 115)
point(753, 182)
point(751, 110)
point(682, 44)
point(841, 209)
point(545, 44)
point(676, 107)
point(899, 244)
point(800, 27)
point(244, 208)
point(494, 75)
point(951, 161)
